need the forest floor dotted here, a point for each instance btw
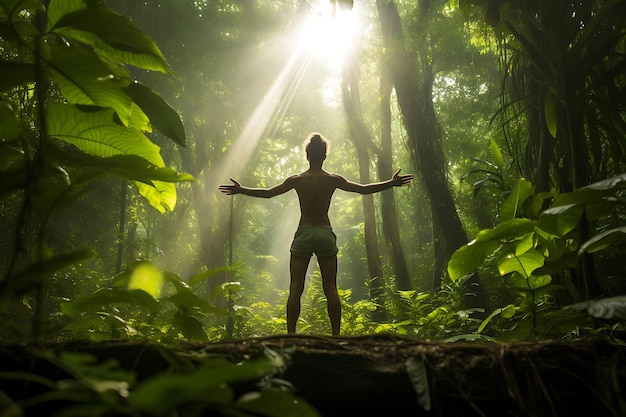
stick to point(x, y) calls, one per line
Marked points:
point(386, 375)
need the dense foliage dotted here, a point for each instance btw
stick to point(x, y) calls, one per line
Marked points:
point(84, 259)
point(119, 120)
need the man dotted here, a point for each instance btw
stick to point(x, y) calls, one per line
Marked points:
point(315, 188)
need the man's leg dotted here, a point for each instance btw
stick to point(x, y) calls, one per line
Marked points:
point(297, 268)
point(328, 268)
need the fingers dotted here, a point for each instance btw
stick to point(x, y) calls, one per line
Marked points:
point(404, 179)
point(230, 189)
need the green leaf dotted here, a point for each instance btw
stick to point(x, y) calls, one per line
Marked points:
point(59, 8)
point(560, 220)
point(530, 283)
point(187, 301)
point(512, 206)
point(148, 278)
point(469, 257)
point(203, 276)
point(84, 79)
point(507, 231)
point(610, 184)
point(132, 167)
point(164, 392)
point(550, 111)
point(525, 264)
point(603, 240)
point(161, 115)
point(111, 35)
point(525, 243)
point(224, 288)
point(190, 327)
point(160, 195)
point(495, 150)
point(506, 312)
point(96, 132)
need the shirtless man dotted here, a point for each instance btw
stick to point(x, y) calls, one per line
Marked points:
point(315, 188)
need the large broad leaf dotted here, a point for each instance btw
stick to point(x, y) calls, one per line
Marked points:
point(610, 184)
point(161, 115)
point(560, 220)
point(132, 167)
point(512, 206)
point(96, 132)
point(161, 195)
point(506, 231)
point(84, 79)
point(530, 283)
point(525, 263)
point(108, 33)
point(603, 240)
point(469, 257)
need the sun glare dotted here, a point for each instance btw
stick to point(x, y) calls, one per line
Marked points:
point(329, 33)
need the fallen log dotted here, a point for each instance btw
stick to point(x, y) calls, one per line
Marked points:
point(388, 375)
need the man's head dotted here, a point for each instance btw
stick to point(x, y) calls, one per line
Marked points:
point(316, 147)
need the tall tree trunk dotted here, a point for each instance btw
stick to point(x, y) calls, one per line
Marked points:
point(389, 215)
point(361, 137)
point(420, 122)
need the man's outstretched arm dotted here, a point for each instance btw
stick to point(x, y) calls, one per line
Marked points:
point(396, 181)
point(236, 188)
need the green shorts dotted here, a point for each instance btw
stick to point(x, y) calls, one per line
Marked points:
point(320, 240)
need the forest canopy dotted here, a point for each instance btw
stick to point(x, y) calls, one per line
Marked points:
point(120, 119)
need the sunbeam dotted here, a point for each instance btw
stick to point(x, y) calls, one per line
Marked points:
point(323, 35)
point(326, 35)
